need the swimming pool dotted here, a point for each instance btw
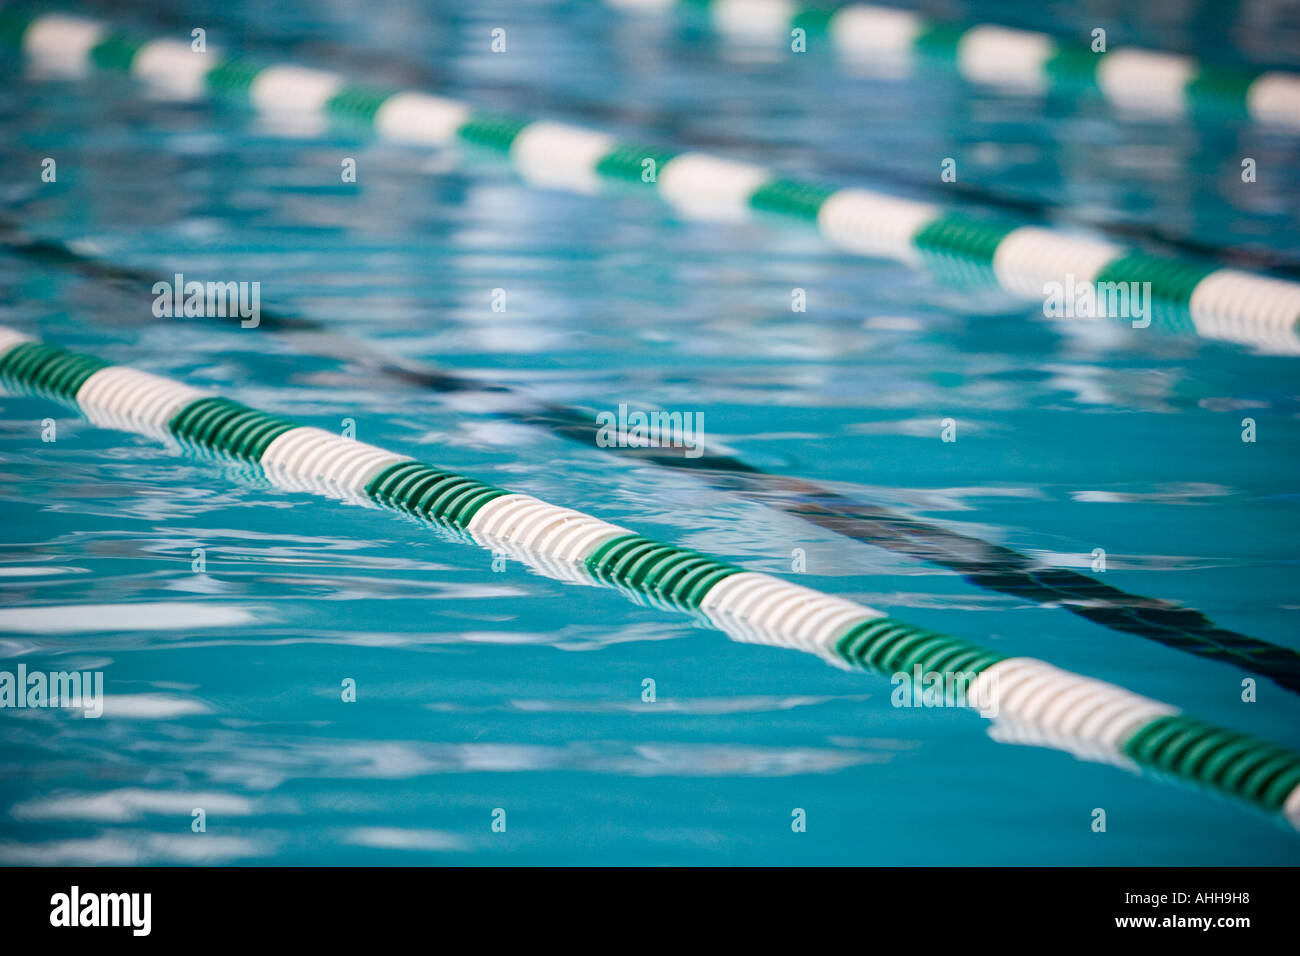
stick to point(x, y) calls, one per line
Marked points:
point(226, 613)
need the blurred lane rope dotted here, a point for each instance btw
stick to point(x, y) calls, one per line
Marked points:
point(1029, 261)
point(1020, 61)
point(1033, 206)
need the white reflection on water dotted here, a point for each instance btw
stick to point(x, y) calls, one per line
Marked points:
point(151, 706)
point(701, 705)
point(395, 838)
point(265, 764)
point(29, 571)
point(133, 849)
point(144, 616)
point(129, 803)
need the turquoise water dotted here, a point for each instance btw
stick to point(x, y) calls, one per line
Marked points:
point(483, 688)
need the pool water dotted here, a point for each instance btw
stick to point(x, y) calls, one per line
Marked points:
point(484, 687)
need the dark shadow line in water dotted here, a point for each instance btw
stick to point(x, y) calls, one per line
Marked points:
point(986, 565)
point(1037, 210)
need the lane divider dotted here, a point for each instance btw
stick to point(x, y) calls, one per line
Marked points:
point(1014, 60)
point(981, 563)
point(1218, 303)
point(1040, 703)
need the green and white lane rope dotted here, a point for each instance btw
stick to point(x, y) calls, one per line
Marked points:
point(1034, 701)
point(981, 563)
point(1014, 60)
point(1217, 303)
